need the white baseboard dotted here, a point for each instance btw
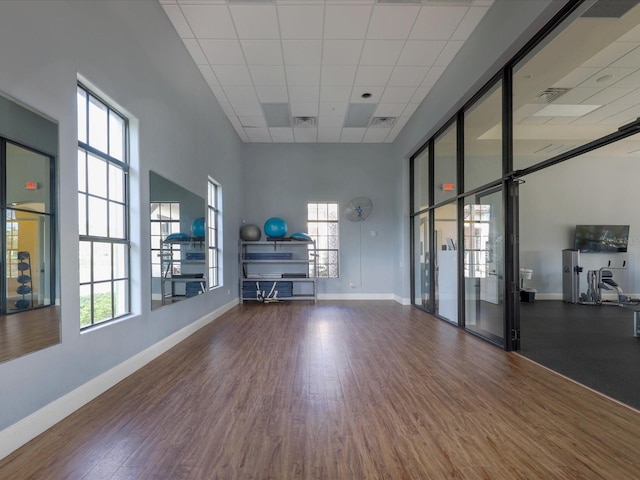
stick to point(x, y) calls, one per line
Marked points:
point(16, 435)
point(402, 300)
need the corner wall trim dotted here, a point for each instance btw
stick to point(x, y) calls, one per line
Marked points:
point(21, 432)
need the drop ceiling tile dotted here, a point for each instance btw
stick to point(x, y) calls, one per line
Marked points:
point(262, 52)
point(404, 76)
point(609, 95)
point(335, 76)
point(240, 94)
point(300, 21)
point(437, 22)
point(630, 81)
point(258, 135)
point(578, 95)
point(209, 21)
point(334, 94)
point(421, 52)
point(178, 20)
point(331, 121)
point(448, 52)
point(252, 121)
point(600, 114)
point(389, 109)
point(609, 54)
point(329, 135)
point(608, 77)
point(281, 134)
point(244, 109)
point(631, 99)
point(381, 52)
point(376, 94)
point(237, 75)
point(196, 52)
point(576, 77)
point(346, 21)
point(432, 76)
point(352, 135)
point(392, 21)
point(305, 135)
point(208, 75)
point(268, 75)
point(469, 23)
point(302, 52)
point(341, 52)
point(305, 76)
point(630, 60)
point(223, 52)
point(272, 94)
point(398, 94)
point(304, 94)
point(375, 135)
point(373, 75)
point(304, 109)
point(622, 118)
point(255, 21)
point(333, 109)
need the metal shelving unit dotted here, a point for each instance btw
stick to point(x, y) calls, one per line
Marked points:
point(274, 270)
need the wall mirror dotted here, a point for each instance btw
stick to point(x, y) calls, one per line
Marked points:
point(29, 316)
point(178, 244)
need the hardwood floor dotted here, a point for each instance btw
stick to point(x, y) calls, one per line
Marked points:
point(340, 390)
point(28, 331)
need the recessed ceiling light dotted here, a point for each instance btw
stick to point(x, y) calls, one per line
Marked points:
point(605, 78)
point(366, 95)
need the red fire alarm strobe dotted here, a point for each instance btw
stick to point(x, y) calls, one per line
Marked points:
point(31, 185)
point(447, 187)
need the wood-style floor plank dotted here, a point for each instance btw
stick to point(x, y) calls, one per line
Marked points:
point(337, 390)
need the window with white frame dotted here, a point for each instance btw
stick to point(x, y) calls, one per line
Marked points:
point(213, 226)
point(322, 226)
point(165, 220)
point(102, 209)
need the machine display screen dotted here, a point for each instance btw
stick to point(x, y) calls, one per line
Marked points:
point(601, 238)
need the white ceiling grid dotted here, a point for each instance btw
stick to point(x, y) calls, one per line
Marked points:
point(320, 56)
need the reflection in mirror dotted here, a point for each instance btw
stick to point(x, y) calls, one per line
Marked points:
point(178, 247)
point(29, 319)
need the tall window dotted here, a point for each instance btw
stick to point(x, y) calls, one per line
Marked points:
point(12, 244)
point(213, 202)
point(165, 220)
point(102, 210)
point(322, 225)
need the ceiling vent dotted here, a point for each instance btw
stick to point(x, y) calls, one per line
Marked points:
point(382, 122)
point(305, 121)
point(550, 94)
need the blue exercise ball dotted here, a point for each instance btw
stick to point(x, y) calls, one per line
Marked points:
point(275, 227)
point(197, 227)
point(250, 233)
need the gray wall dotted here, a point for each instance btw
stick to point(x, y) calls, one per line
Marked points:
point(589, 190)
point(280, 179)
point(121, 47)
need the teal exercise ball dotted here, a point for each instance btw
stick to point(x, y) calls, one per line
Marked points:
point(197, 227)
point(250, 233)
point(275, 227)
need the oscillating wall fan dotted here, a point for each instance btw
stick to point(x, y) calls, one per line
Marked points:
point(358, 209)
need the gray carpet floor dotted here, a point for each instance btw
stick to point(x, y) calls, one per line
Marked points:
point(593, 345)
